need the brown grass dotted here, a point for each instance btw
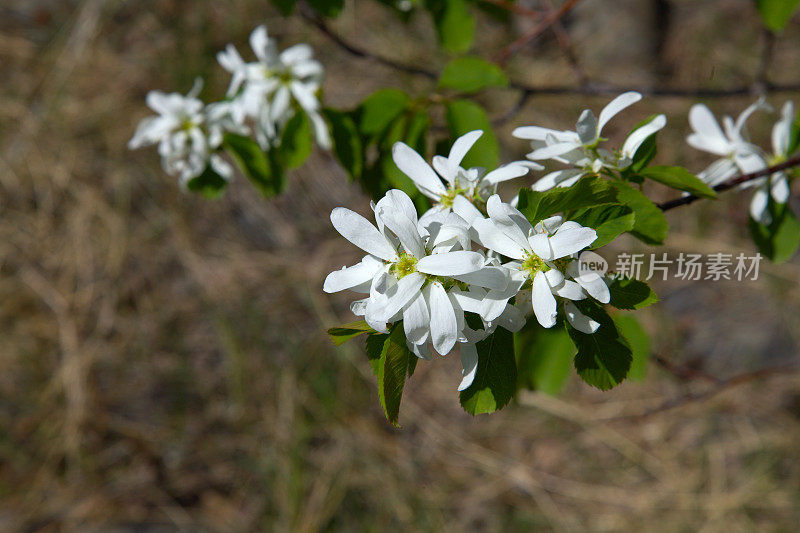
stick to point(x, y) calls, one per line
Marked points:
point(164, 365)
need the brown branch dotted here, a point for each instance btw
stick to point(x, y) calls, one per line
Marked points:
point(720, 386)
point(731, 183)
point(509, 51)
point(588, 89)
point(511, 7)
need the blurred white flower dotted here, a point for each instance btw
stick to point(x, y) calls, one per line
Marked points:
point(266, 90)
point(187, 134)
point(740, 155)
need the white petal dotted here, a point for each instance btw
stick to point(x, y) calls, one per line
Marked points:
point(470, 301)
point(505, 173)
point(540, 244)
point(296, 54)
point(538, 133)
point(469, 364)
point(592, 282)
point(494, 303)
point(362, 233)
point(512, 319)
point(570, 290)
point(571, 240)
point(413, 166)
point(758, 205)
point(493, 236)
point(417, 320)
point(465, 209)
point(461, 146)
point(304, 94)
point(399, 201)
point(708, 135)
point(490, 277)
point(321, 132)
point(548, 181)
point(553, 150)
point(544, 304)
point(451, 263)
point(580, 321)
point(554, 277)
point(615, 106)
point(515, 224)
point(405, 229)
point(420, 350)
point(587, 127)
point(780, 188)
point(640, 134)
point(401, 294)
point(350, 277)
point(444, 325)
point(782, 130)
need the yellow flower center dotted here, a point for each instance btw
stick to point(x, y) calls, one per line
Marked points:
point(532, 264)
point(407, 264)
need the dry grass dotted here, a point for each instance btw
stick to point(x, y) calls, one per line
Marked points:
point(163, 363)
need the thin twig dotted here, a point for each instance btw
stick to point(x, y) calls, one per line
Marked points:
point(720, 386)
point(510, 6)
point(733, 182)
point(509, 51)
point(588, 89)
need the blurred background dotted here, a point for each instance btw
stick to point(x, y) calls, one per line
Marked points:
point(163, 360)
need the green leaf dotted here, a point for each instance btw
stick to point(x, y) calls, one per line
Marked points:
point(650, 225)
point(603, 357)
point(679, 178)
point(496, 377)
point(639, 341)
point(412, 130)
point(346, 142)
point(471, 74)
point(464, 116)
point(327, 8)
point(589, 191)
point(544, 358)
point(780, 239)
point(454, 24)
point(341, 334)
point(776, 13)
point(379, 109)
point(284, 6)
point(258, 166)
point(794, 137)
point(608, 221)
point(295, 141)
point(390, 359)
point(630, 293)
point(209, 184)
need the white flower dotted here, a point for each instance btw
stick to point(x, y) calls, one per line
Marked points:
point(464, 186)
point(541, 255)
point(739, 155)
point(407, 277)
point(265, 90)
point(186, 132)
point(580, 148)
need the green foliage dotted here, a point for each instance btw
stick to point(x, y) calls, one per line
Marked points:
point(639, 342)
point(603, 357)
point(496, 377)
point(471, 74)
point(679, 178)
point(258, 166)
point(588, 192)
point(412, 129)
point(379, 109)
point(776, 13)
point(454, 23)
point(295, 144)
point(630, 293)
point(650, 225)
point(341, 334)
point(544, 358)
point(391, 361)
point(779, 240)
point(347, 146)
point(608, 220)
point(464, 116)
point(209, 184)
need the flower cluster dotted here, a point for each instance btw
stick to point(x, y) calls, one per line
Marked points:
point(738, 154)
point(580, 149)
point(470, 253)
point(263, 96)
